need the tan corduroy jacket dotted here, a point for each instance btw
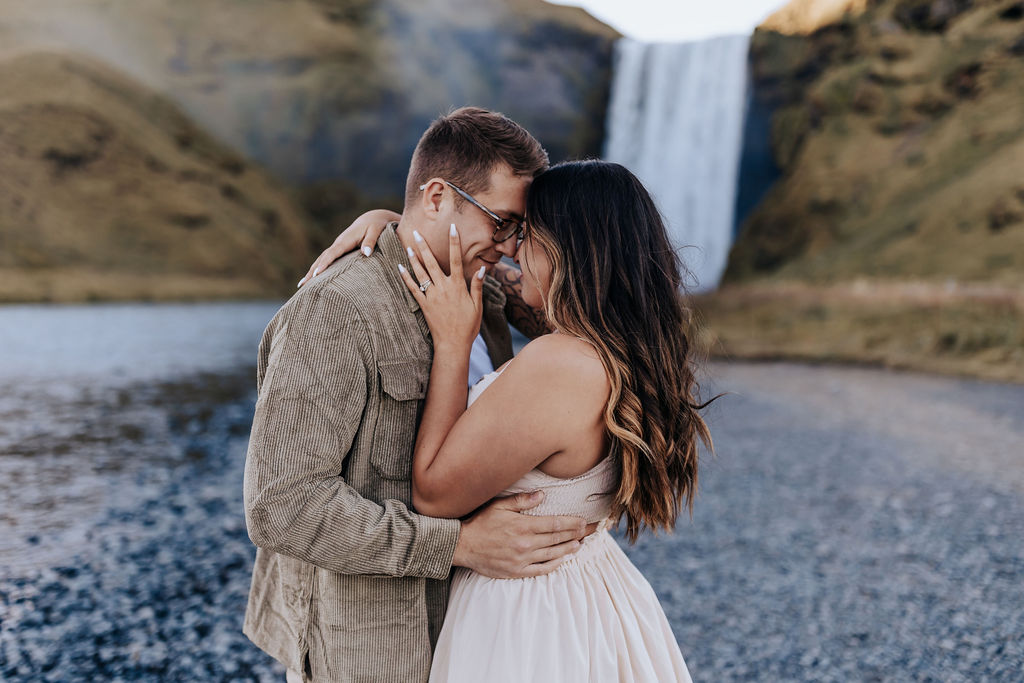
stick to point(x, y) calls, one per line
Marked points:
point(349, 584)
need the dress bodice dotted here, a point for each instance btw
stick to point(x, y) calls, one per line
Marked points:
point(588, 495)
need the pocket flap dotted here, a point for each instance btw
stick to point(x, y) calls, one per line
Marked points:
point(403, 380)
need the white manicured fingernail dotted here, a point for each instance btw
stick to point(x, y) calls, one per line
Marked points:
point(300, 283)
point(408, 250)
point(316, 270)
point(480, 273)
point(417, 235)
point(367, 251)
point(401, 268)
point(454, 232)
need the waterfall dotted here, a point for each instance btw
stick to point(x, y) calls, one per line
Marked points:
point(676, 120)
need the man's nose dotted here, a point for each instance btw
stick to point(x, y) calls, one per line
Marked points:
point(507, 248)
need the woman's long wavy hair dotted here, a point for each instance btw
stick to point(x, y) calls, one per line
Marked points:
point(617, 282)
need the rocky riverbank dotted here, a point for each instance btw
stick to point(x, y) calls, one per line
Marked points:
point(148, 580)
point(854, 525)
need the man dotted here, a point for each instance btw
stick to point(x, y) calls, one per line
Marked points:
point(349, 583)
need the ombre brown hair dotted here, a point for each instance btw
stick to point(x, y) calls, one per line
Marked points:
point(617, 282)
point(466, 145)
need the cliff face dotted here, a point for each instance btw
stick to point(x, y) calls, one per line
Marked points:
point(900, 135)
point(156, 117)
point(341, 89)
point(107, 191)
point(896, 230)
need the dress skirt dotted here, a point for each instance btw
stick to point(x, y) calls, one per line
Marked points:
point(594, 618)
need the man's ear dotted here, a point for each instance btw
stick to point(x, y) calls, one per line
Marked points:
point(432, 196)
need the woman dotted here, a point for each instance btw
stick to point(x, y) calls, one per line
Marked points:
point(600, 414)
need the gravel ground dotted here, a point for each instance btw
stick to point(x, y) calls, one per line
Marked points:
point(155, 587)
point(854, 525)
point(842, 533)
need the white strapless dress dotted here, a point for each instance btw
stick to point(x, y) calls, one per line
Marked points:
point(594, 618)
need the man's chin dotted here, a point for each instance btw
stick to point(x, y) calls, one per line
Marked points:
point(488, 265)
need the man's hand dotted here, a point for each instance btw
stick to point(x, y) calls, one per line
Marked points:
point(502, 543)
point(530, 321)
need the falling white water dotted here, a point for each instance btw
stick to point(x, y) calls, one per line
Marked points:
point(676, 120)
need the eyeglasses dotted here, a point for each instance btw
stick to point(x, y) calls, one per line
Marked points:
point(504, 228)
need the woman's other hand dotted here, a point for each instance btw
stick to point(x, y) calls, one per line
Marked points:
point(363, 233)
point(452, 309)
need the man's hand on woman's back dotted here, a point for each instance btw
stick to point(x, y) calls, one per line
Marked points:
point(502, 543)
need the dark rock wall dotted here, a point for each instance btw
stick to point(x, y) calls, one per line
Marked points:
point(899, 139)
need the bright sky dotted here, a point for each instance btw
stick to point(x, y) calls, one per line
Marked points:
point(678, 20)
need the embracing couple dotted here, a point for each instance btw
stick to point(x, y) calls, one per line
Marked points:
point(374, 469)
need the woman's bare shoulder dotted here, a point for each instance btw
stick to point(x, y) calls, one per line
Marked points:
point(561, 359)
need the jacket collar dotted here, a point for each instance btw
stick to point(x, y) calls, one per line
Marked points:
point(391, 247)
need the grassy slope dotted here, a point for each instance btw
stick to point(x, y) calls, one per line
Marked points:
point(109, 192)
point(276, 77)
point(903, 158)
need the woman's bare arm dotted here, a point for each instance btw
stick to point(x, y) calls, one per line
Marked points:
point(545, 403)
point(539, 405)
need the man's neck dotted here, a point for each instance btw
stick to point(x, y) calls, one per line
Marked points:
point(404, 231)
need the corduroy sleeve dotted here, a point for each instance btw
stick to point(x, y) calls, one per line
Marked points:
point(315, 369)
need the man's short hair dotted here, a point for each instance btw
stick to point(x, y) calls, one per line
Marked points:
point(466, 145)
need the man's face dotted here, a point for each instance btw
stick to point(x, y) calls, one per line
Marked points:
point(505, 196)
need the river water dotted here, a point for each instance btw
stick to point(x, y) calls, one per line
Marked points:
point(118, 344)
point(87, 402)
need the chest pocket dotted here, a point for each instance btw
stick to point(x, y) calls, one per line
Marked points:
point(403, 387)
